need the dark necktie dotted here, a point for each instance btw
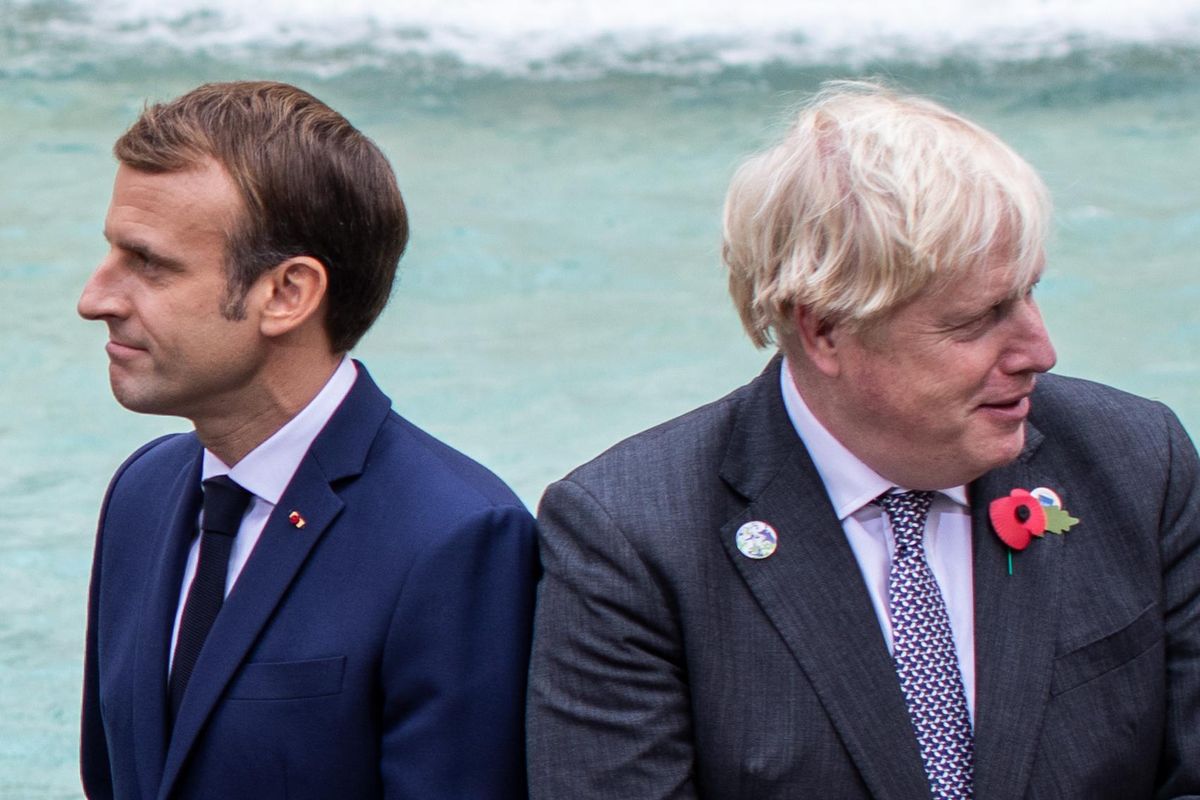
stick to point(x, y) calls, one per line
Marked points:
point(224, 504)
point(923, 651)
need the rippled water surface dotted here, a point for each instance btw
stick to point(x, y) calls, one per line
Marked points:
point(564, 164)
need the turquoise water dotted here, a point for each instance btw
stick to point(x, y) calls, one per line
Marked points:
point(562, 289)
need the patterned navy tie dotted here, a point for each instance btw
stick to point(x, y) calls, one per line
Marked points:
point(923, 650)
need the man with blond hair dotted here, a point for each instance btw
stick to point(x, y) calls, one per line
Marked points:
point(902, 562)
point(307, 596)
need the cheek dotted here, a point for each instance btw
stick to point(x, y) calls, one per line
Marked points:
point(926, 407)
point(893, 383)
point(890, 400)
point(195, 316)
point(955, 378)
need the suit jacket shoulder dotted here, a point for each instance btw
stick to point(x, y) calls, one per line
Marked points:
point(692, 467)
point(156, 462)
point(1093, 415)
point(444, 469)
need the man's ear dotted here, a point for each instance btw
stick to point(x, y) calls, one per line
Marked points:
point(292, 294)
point(819, 339)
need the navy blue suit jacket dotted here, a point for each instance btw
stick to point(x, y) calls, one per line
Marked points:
point(378, 651)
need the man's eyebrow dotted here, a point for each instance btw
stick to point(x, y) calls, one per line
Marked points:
point(981, 306)
point(143, 250)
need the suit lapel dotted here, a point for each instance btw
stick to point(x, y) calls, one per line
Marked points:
point(1015, 621)
point(174, 532)
point(812, 591)
point(339, 452)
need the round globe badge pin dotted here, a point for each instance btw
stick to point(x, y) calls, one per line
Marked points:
point(1047, 497)
point(756, 539)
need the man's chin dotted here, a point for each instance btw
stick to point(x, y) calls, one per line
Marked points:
point(139, 400)
point(1006, 449)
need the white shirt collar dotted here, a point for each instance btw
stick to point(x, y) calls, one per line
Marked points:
point(850, 483)
point(267, 469)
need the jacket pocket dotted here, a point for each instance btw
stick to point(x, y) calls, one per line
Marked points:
point(1104, 655)
point(288, 680)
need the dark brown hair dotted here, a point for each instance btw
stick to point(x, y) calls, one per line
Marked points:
point(312, 184)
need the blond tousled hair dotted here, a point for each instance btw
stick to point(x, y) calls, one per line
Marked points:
point(871, 197)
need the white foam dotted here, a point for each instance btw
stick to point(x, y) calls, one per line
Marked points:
point(522, 36)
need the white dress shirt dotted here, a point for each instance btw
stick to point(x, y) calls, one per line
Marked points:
point(265, 472)
point(851, 486)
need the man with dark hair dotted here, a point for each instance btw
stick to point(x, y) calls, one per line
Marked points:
point(307, 596)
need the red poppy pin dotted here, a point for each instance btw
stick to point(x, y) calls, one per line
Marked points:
point(1024, 514)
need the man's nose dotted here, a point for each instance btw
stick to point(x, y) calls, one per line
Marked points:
point(101, 297)
point(1031, 350)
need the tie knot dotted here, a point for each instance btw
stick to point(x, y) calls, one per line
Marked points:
point(907, 512)
point(224, 504)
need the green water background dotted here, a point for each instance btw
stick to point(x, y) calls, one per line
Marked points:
point(562, 289)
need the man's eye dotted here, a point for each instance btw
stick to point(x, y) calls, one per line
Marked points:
point(145, 263)
point(979, 324)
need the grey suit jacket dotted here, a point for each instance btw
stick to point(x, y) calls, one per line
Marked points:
point(668, 665)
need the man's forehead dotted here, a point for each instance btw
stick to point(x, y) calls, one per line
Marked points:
point(992, 281)
point(200, 197)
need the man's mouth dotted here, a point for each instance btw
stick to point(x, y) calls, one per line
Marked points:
point(119, 349)
point(1015, 407)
